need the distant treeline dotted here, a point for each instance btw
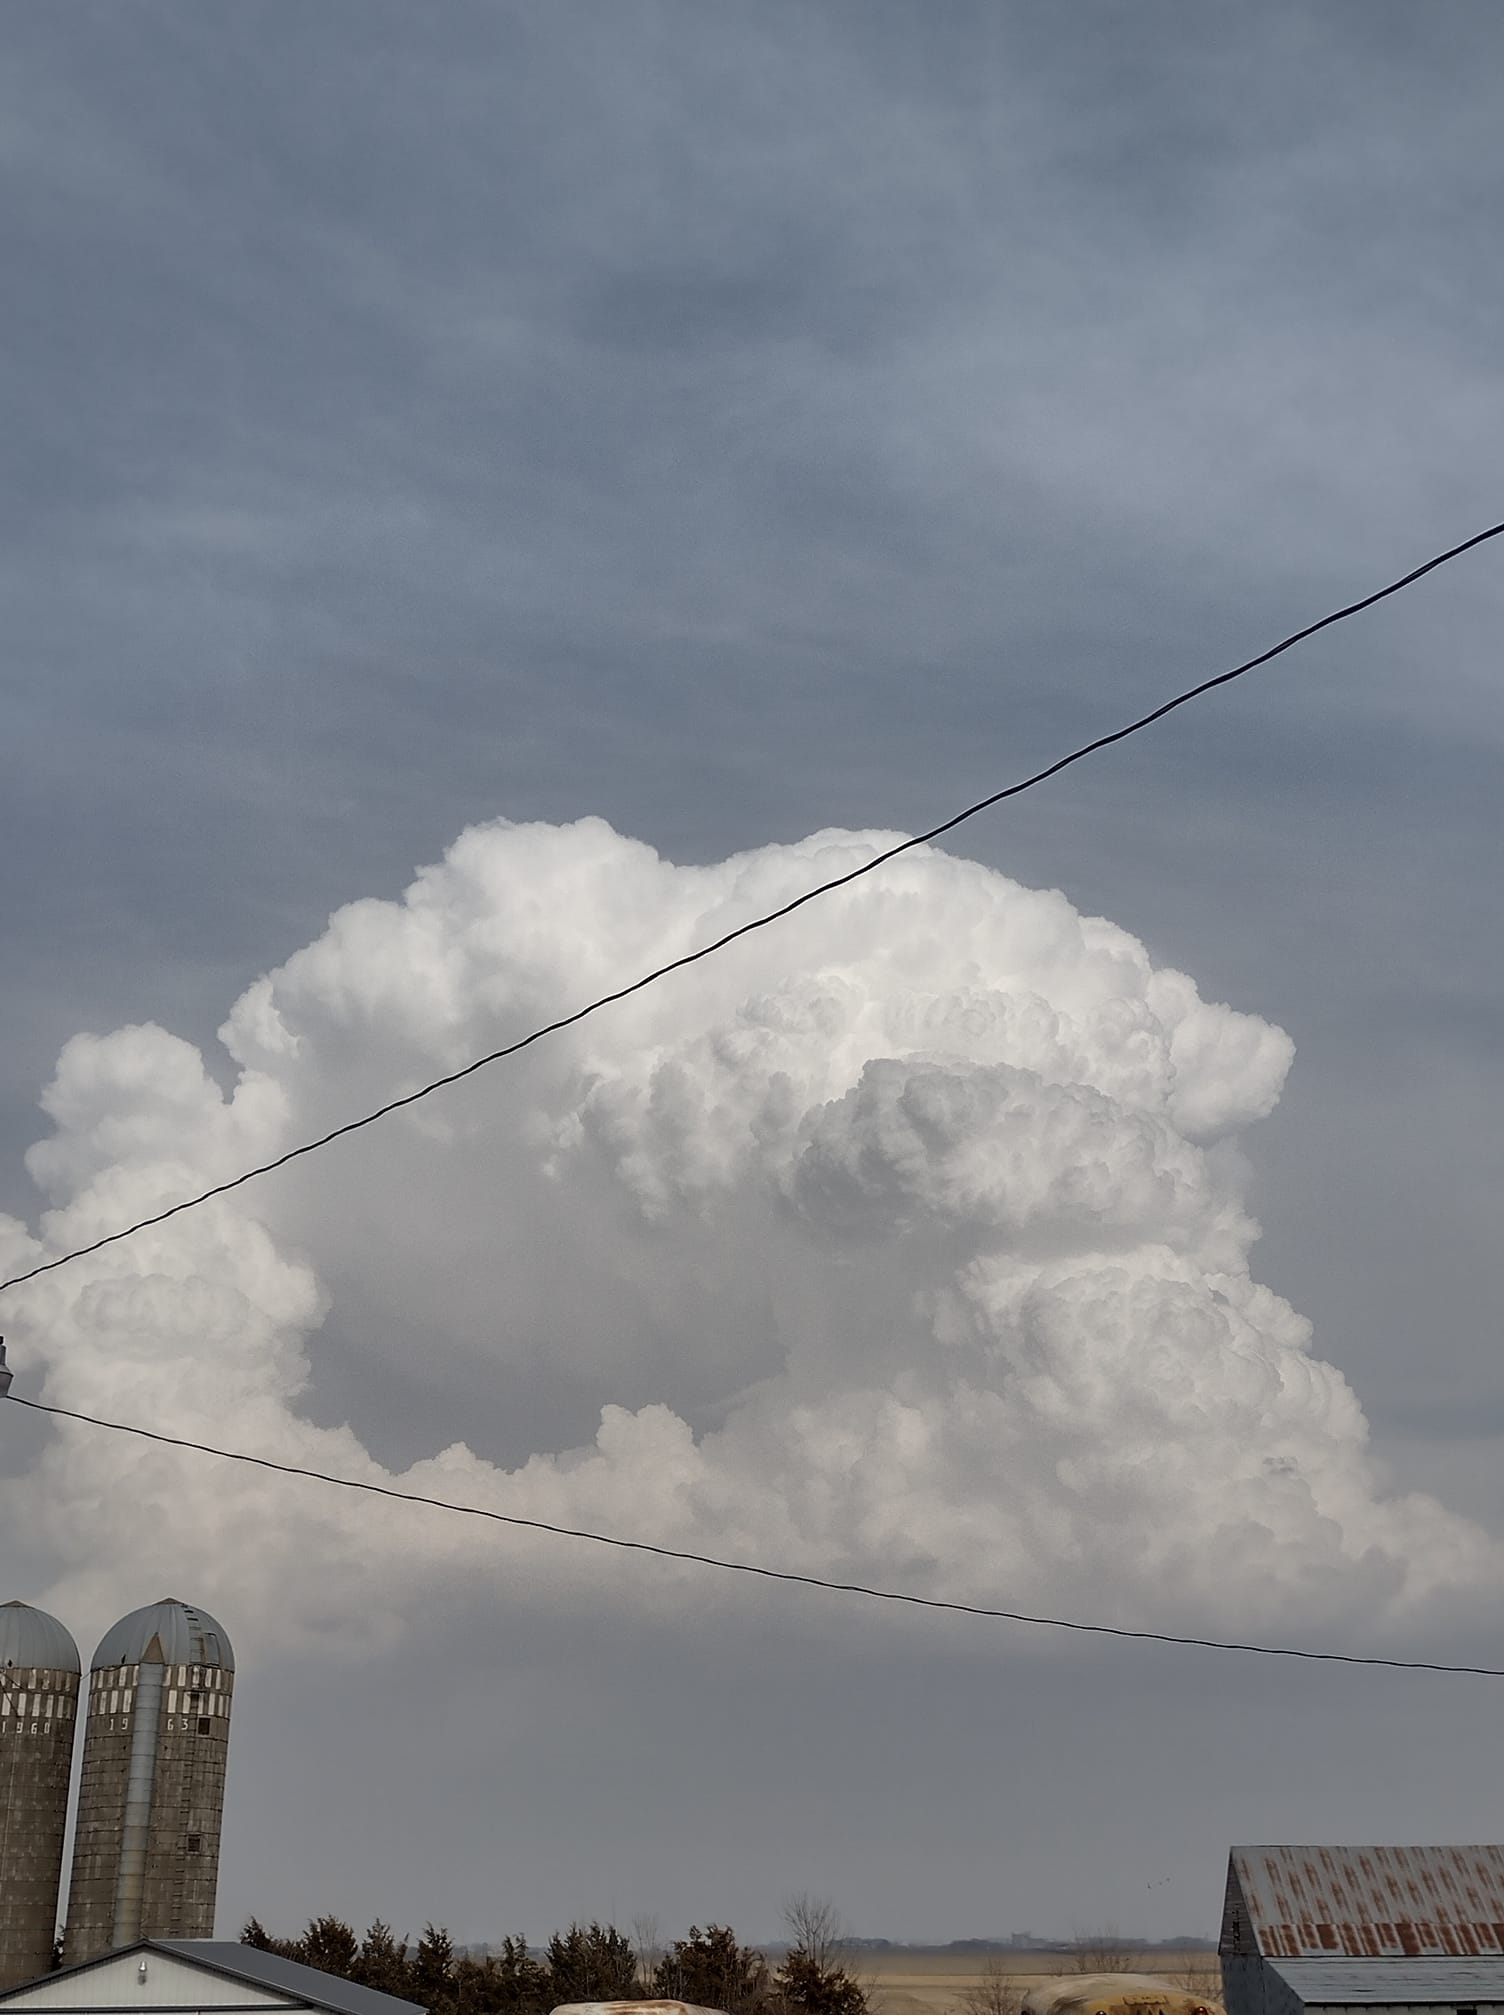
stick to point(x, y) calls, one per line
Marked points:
point(594, 1962)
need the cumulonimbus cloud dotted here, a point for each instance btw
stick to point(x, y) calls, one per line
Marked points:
point(901, 1242)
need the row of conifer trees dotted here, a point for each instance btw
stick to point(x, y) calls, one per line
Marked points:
point(594, 1962)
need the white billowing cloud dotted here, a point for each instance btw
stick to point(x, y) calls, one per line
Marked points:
point(901, 1242)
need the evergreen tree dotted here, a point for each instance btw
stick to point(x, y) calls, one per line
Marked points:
point(710, 1969)
point(432, 1971)
point(806, 1986)
point(597, 1964)
point(256, 1936)
point(507, 1982)
point(382, 1962)
point(332, 1946)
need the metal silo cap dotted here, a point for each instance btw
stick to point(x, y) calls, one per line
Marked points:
point(169, 1633)
point(31, 1637)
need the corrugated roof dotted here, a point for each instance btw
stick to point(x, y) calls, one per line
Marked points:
point(286, 1976)
point(1366, 1983)
point(1371, 1902)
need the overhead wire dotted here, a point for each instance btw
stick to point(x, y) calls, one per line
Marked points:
point(757, 923)
point(827, 1584)
point(761, 922)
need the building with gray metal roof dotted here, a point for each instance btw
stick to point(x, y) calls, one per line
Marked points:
point(1394, 1983)
point(309, 1987)
point(167, 1976)
point(1387, 1928)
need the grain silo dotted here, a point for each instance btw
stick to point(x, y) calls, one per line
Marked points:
point(39, 1673)
point(146, 1846)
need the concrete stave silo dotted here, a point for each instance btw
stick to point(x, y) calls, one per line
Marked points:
point(151, 1797)
point(39, 1684)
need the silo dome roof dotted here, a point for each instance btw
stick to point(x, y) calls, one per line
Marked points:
point(31, 1637)
point(187, 1636)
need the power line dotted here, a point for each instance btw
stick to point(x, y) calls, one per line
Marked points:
point(760, 922)
point(751, 1567)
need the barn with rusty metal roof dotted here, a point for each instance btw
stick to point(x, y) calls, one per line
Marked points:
point(1400, 1930)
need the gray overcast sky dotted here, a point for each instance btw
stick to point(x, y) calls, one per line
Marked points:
point(734, 422)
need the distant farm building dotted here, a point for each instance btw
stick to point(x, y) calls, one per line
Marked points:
point(1400, 1930)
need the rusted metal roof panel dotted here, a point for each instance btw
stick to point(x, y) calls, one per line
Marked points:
point(1372, 1902)
point(1394, 1983)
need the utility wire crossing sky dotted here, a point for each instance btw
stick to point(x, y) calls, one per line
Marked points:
point(770, 917)
point(525, 501)
point(763, 1573)
point(761, 922)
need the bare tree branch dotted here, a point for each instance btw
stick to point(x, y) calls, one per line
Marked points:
point(997, 1990)
point(815, 1928)
point(1103, 1951)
